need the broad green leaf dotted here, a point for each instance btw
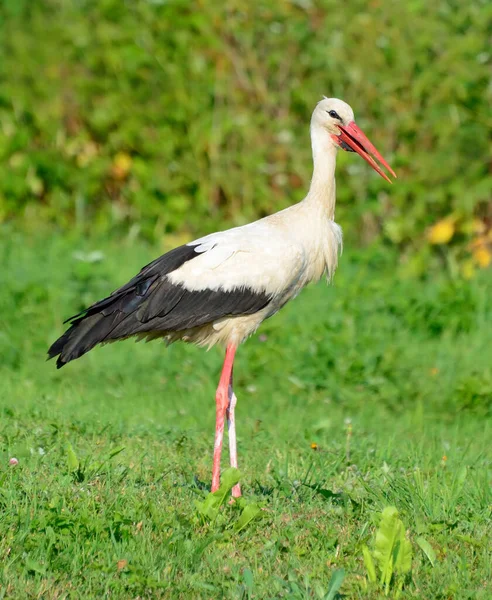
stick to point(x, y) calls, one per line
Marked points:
point(335, 584)
point(34, 566)
point(386, 537)
point(72, 460)
point(462, 474)
point(210, 506)
point(250, 512)
point(403, 558)
point(248, 580)
point(403, 554)
point(328, 494)
point(392, 550)
point(427, 549)
point(228, 479)
point(370, 568)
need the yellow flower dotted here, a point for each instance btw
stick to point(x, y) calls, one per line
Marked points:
point(122, 164)
point(482, 256)
point(442, 231)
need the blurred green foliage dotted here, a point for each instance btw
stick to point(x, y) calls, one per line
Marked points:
point(176, 116)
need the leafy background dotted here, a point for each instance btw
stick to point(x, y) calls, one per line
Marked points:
point(166, 119)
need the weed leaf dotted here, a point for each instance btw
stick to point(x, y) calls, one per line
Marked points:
point(35, 567)
point(370, 568)
point(392, 550)
point(248, 582)
point(210, 507)
point(72, 460)
point(250, 512)
point(327, 494)
point(115, 451)
point(427, 549)
point(335, 584)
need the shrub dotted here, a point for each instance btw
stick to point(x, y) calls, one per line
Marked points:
point(176, 116)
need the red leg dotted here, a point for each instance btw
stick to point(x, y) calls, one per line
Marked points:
point(231, 427)
point(221, 404)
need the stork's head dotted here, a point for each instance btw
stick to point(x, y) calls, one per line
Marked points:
point(337, 118)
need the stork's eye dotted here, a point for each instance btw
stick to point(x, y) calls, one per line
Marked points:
point(334, 114)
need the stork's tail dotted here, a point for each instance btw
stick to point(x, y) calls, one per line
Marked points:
point(82, 336)
point(115, 317)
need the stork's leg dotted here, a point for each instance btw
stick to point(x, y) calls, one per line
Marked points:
point(231, 426)
point(221, 404)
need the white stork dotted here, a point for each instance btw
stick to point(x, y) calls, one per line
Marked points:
point(219, 288)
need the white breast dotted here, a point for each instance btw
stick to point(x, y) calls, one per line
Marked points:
point(277, 255)
point(257, 256)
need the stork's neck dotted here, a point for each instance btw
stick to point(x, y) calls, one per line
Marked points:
point(322, 188)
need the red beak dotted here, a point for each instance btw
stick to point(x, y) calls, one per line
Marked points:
point(356, 139)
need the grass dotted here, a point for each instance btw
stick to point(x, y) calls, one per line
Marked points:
point(373, 392)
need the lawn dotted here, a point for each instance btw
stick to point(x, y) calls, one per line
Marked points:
point(370, 393)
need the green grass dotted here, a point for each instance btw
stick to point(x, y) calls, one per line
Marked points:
point(407, 362)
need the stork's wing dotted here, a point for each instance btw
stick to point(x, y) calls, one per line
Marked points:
point(188, 287)
point(256, 257)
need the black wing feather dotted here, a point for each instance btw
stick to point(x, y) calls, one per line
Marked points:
point(150, 302)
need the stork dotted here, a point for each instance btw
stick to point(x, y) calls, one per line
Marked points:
point(219, 288)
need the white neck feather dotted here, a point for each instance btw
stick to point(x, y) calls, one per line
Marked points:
point(322, 188)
